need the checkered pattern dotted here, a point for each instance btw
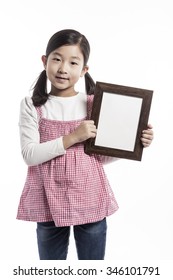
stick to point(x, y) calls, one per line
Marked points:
point(70, 189)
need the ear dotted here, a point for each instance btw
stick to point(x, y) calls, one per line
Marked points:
point(44, 60)
point(84, 70)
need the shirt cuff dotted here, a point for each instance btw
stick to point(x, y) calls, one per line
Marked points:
point(61, 150)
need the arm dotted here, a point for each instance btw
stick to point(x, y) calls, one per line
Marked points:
point(35, 152)
point(85, 130)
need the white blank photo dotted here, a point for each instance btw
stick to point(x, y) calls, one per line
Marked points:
point(118, 121)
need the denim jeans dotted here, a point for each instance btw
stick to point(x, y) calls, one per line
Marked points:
point(90, 240)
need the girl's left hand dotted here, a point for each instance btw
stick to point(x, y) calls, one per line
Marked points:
point(147, 136)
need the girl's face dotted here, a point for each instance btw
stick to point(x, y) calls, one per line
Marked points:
point(64, 66)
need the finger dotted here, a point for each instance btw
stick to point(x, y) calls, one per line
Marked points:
point(93, 135)
point(93, 129)
point(145, 142)
point(147, 135)
point(89, 122)
point(148, 131)
point(149, 126)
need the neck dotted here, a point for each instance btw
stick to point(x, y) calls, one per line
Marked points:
point(63, 93)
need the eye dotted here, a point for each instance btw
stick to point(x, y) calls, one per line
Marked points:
point(56, 59)
point(74, 63)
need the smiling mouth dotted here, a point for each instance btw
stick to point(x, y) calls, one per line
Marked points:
point(61, 78)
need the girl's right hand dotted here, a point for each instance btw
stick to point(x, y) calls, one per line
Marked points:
point(84, 131)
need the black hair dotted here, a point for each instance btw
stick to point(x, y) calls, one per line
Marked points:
point(61, 38)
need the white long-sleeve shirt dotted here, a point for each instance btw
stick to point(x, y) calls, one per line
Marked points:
point(56, 108)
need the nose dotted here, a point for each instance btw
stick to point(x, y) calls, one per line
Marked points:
point(62, 72)
point(62, 69)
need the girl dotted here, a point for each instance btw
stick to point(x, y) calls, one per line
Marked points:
point(64, 186)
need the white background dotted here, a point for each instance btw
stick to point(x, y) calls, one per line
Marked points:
point(131, 44)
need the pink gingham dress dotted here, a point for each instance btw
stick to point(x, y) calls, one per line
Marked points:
point(71, 189)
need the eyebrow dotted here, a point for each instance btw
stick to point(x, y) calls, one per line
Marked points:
point(73, 57)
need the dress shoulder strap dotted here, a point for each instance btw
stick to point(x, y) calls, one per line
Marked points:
point(39, 112)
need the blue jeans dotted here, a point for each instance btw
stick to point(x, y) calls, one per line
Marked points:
point(90, 241)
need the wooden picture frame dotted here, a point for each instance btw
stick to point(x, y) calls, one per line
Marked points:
point(120, 114)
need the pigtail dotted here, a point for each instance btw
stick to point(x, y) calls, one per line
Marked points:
point(40, 95)
point(89, 84)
